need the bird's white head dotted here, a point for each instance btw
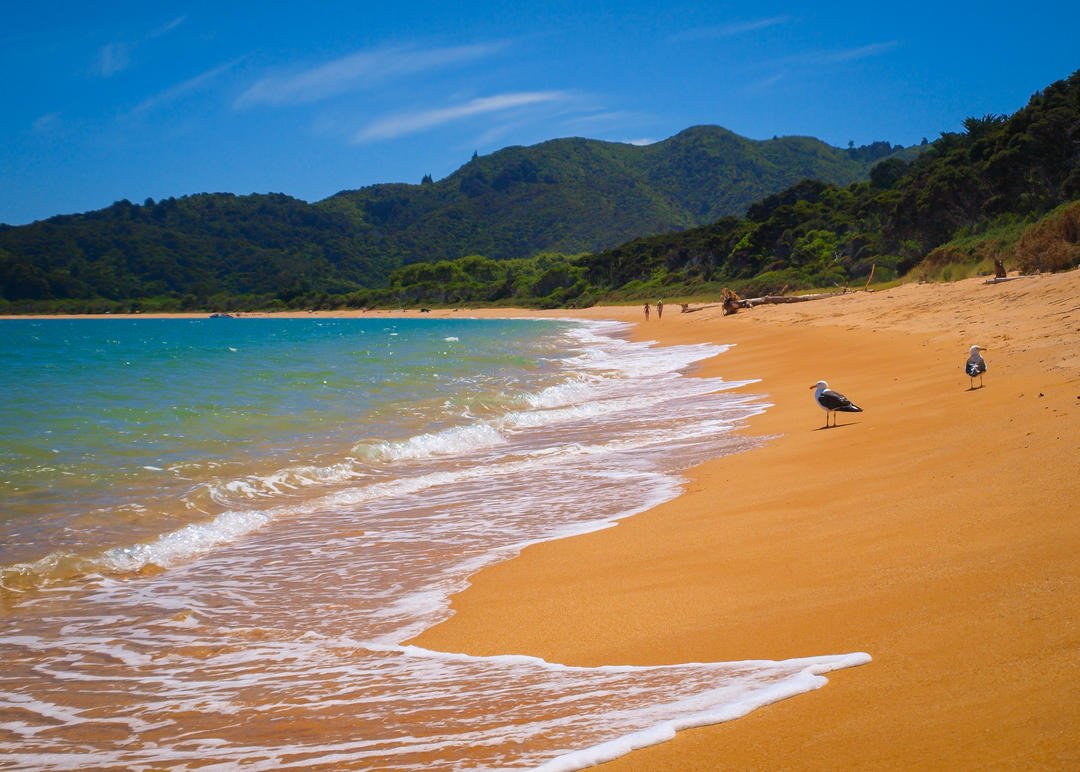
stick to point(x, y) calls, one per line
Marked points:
point(820, 385)
point(975, 349)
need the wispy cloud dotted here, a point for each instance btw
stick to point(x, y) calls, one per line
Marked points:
point(842, 55)
point(604, 119)
point(167, 27)
point(785, 66)
point(357, 71)
point(852, 54)
point(614, 125)
point(115, 57)
point(497, 133)
point(765, 83)
point(413, 122)
point(183, 89)
point(46, 123)
point(729, 30)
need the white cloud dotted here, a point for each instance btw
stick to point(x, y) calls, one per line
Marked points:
point(116, 56)
point(843, 55)
point(181, 89)
point(113, 58)
point(606, 120)
point(356, 71)
point(46, 123)
point(497, 133)
point(766, 83)
point(730, 30)
point(862, 52)
point(167, 27)
point(410, 123)
point(810, 58)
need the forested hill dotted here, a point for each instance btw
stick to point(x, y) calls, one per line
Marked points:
point(567, 195)
point(579, 195)
point(1007, 188)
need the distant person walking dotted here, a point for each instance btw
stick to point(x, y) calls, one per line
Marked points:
point(646, 312)
point(659, 309)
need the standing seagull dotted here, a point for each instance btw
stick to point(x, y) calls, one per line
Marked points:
point(975, 365)
point(832, 402)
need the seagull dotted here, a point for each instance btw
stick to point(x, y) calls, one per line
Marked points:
point(975, 365)
point(832, 402)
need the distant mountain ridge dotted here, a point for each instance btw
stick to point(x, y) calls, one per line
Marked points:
point(580, 195)
point(565, 195)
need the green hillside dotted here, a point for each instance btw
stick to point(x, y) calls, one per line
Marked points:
point(207, 244)
point(986, 187)
point(579, 195)
point(568, 195)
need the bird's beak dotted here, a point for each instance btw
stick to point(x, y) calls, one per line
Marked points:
point(814, 386)
point(981, 348)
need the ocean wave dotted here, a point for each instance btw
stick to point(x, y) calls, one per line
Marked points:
point(196, 539)
point(604, 351)
point(169, 549)
point(457, 439)
point(284, 480)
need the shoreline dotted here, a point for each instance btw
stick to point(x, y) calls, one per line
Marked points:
point(939, 531)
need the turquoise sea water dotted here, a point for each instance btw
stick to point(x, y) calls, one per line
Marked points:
point(101, 416)
point(217, 535)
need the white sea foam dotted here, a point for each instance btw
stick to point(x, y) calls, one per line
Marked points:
point(456, 439)
point(184, 544)
point(711, 707)
point(574, 391)
point(285, 480)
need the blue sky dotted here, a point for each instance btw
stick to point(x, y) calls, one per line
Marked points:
point(134, 100)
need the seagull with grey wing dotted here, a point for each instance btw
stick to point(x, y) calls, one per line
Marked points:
point(975, 365)
point(832, 402)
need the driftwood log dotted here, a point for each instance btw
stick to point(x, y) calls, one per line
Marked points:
point(770, 299)
point(999, 279)
point(732, 302)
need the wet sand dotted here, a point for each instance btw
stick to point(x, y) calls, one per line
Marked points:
point(939, 531)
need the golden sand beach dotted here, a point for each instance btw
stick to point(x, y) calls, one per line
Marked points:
point(939, 530)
